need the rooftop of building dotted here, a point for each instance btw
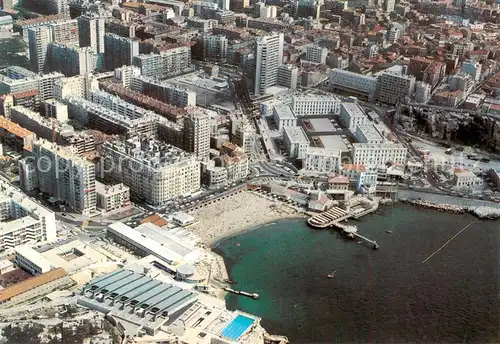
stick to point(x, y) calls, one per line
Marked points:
point(73, 256)
point(149, 152)
point(369, 132)
point(353, 109)
point(59, 127)
point(375, 146)
point(42, 19)
point(283, 112)
point(33, 256)
point(108, 190)
point(353, 167)
point(27, 203)
point(31, 283)
point(14, 128)
point(63, 152)
point(14, 224)
point(315, 97)
point(155, 219)
point(333, 142)
point(163, 244)
point(330, 152)
point(296, 135)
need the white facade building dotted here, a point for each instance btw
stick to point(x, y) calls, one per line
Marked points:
point(322, 160)
point(64, 175)
point(39, 39)
point(378, 155)
point(31, 261)
point(112, 197)
point(91, 32)
point(422, 92)
point(284, 117)
point(466, 180)
point(268, 57)
point(316, 54)
point(393, 85)
point(351, 115)
point(215, 47)
point(367, 133)
point(295, 142)
point(23, 221)
point(355, 84)
point(315, 104)
point(155, 172)
point(288, 76)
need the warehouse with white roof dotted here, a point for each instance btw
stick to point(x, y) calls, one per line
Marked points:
point(149, 239)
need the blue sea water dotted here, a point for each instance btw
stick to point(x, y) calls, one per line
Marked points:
point(383, 296)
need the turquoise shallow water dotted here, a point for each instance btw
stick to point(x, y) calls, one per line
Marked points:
point(385, 296)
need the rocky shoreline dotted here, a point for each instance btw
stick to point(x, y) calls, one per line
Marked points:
point(482, 212)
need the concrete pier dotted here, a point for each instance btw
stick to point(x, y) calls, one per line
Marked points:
point(373, 242)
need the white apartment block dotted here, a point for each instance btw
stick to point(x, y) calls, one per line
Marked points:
point(315, 104)
point(378, 155)
point(31, 261)
point(322, 160)
point(65, 32)
point(316, 54)
point(41, 126)
point(63, 174)
point(351, 115)
point(244, 137)
point(23, 221)
point(268, 57)
point(215, 47)
point(166, 64)
point(155, 172)
point(39, 39)
point(288, 76)
point(295, 142)
point(197, 128)
point(168, 93)
point(16, 79)
point(77, 86)
point(91, 32)
point(284, 117)
point(112, 197)
point(71, 60)
point(126, 75)
point(354, 84)
point(393, 87)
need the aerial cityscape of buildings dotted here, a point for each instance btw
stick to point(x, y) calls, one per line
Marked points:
point(128, 117)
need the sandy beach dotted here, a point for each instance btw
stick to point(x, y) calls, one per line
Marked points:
point(236, 214)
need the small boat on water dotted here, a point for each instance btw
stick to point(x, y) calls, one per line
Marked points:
point(359, 242)
point(388, 231)
point(332, 275)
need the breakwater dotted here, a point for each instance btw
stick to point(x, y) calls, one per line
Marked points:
point(482, 212)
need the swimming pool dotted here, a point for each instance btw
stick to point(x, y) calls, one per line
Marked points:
point(236, 327)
